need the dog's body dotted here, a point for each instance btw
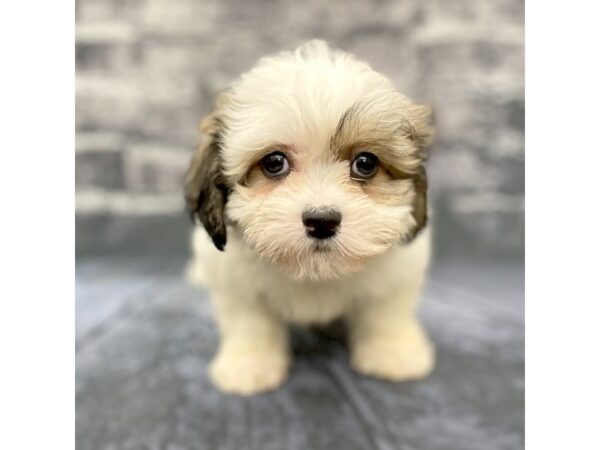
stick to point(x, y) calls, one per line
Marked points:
point(312, 175)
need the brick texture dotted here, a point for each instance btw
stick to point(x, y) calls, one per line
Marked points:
point(147, 70)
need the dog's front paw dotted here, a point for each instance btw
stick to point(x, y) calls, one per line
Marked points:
point(394, 359)
point(248, 371)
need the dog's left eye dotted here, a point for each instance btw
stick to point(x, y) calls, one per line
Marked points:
point(365, 165)
point(275, 165)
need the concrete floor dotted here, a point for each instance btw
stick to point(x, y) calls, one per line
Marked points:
point(144, 338)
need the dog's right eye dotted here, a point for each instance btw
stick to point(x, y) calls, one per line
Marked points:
point(275, 165)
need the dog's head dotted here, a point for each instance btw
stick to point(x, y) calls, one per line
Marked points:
point(318, 161)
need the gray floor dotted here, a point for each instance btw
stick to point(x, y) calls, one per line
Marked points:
point(144, 339)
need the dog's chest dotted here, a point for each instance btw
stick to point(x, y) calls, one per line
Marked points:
point(306, 304)
point(322, 302)
point(313, 302)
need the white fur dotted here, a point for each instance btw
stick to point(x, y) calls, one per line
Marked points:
point(254, 300)
point(271, 273)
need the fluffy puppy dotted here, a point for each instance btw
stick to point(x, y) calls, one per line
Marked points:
point(310, 183)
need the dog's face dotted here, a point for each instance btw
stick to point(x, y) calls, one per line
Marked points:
point(317, 160)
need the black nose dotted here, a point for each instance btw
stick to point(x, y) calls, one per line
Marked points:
point(321, 223)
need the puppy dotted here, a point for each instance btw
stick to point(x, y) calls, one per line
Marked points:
point(310, 183)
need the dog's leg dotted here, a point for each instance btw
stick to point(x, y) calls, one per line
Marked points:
point(253, 354)
point(387, 340)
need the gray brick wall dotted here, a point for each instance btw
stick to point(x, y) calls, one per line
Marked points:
point(147, 70)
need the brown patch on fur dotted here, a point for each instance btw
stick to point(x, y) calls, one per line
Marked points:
point(419, 206)
point(388, 159)
point(206, 189)
point(396, 131)
point(400, 137)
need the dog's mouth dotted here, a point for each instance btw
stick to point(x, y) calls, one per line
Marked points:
point(322, 245)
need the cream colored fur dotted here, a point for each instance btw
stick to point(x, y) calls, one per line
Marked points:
point(271, 273)
point(254, 300)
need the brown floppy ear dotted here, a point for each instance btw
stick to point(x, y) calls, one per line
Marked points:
point(206, 190)
point(421, 133)
point(419, 204)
